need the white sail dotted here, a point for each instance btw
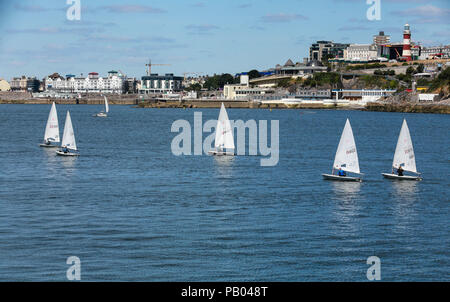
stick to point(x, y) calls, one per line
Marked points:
point(347, 155)
point(69, 136)
point(106, 105)
point(52, 128)
point(404, 153)
point(224, 132)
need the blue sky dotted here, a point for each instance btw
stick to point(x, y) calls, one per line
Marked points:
point(213, 36)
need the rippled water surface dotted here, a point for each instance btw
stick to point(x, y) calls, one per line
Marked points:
point(132, 211)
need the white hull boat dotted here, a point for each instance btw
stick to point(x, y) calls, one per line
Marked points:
point(404, 177)
point(221, 153)
point(101, 114)
point(341, 178)
point(224, 141)
point(48, 146)
point(404, 157)
point(62, 153)
point(346, 158)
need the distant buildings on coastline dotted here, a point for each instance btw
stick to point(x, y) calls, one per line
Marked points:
point(114, 82)
point(4, 86)
point(25, 84)
point(163, 84)
point(263, 87)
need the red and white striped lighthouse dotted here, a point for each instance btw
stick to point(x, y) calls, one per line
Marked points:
point(407, 43)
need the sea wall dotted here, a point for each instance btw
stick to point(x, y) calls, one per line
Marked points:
point(94, 99)
point(234, 104)
point(409, 108)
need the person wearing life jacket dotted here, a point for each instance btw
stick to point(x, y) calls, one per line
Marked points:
point(342, 172)
point(400, 171)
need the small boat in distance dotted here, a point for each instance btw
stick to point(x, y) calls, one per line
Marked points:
point(104, 113)
point(404, 157)
point(68, 145)
point(346, 160)
point(51, 130)
point(224, 142)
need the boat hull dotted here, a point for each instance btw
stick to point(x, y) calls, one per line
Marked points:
point(61, 153)
point(405, 177)
point(100, 115)
point(341, 178)
point(48, 146)
point(220, 153)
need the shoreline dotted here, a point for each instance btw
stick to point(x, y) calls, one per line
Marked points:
point(435, 108)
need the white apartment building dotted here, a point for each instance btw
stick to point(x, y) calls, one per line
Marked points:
point(113, 83)
point(435, 52)
point(361, 52)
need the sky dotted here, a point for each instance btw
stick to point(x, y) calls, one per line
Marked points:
point(196, 36)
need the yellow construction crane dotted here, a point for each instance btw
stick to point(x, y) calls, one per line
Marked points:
point(149, 66)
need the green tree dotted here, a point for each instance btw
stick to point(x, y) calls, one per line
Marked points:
point(253, 74)
point(194, 87)
point(420, 68)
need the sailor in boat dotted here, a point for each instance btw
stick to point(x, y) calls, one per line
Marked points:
point(48, 142)
point(65, 150)
point(342, 172)
point(400, 171)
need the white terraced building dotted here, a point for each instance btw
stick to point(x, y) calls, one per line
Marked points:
point(360, 52)
point(113, 83)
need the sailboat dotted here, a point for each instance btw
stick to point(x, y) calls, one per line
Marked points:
point(404, 156)
point(52, 129)
point(104, 113)
point(68, 145)
point(346, 157)
point(224, 142)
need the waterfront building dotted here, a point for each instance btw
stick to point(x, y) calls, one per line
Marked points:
point(299, 69)
point(164, 84)
point(25, 84)
point(326, 49)
point(381, 39)
point(362, 95)
point(4, 85)
point(361, 53)
point(115, 82)
point(231, 91)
